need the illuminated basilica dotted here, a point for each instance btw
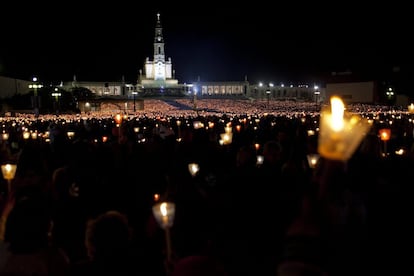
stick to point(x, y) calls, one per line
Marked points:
point(157, 78)
point(159, 74)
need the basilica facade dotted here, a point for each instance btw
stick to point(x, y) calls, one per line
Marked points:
point(158, 77)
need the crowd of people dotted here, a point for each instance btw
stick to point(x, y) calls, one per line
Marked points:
point(81, 203)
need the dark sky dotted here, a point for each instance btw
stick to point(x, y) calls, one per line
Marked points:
point(267, 41)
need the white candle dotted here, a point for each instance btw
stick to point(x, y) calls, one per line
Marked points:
point(340, 132)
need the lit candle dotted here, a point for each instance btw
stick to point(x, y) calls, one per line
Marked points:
point(337, 117)
point(164, 213)
point(26, 135)
point(193, 168)
point(197, 125)
point(411, 108)
point(340, 132)
point(118, 118)
point(8, 170)
point(259, 160)
point(385, 134)
point(5, 136)
point(70, 134)
point(312, 160)
point(226, 137)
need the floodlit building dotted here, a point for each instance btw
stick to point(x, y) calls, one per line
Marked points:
point(158, 77)
point(10, 87)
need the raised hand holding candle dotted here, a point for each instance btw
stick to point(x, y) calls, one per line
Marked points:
point(164, 213)
point(8, 171)
point(385, 135)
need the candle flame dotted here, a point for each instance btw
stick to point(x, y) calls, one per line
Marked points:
point(163, 209)
point(118, 118)
point(337, 107)
point(8, 168)
point(193, 168)
point(385, 134)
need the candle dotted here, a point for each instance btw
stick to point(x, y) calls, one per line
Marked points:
point(312, 160)
point(8, 170)
point(5, 136)
point(26, 135)
point(411, 108)
point(340, 132)
point(259, 160)
point(118, 118)
point(164, 213)
point(197, 125)
point(193, 168)
point(70, 134)
point(226, 137)
point(385, 134)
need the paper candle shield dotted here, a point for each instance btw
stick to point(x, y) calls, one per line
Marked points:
point(339, 143)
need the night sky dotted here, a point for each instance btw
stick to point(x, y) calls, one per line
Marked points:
point(266, 41)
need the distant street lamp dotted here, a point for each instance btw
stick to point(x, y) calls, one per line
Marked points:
point(57, 95)
point(390, 94)
point(35, 101)
point(195, 99)
point(316, 93)
point(134, 93)
point(268, 96)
